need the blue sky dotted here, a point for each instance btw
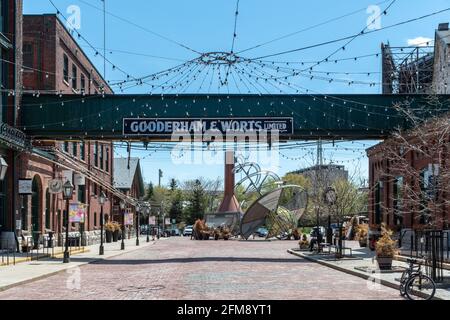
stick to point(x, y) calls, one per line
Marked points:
point(207, 25)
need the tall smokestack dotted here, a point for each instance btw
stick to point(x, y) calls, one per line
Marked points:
point(229, 202)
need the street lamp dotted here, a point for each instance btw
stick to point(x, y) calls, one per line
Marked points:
point(3, 168)
point(101, 200)
point(157, 232)
point(138, 209)
point(67, 193)
point(122, 207)
point(330, 198)
point(147, 212)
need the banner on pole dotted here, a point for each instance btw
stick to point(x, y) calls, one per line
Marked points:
point(152, 220)
point(128, 218)
point(77, 213)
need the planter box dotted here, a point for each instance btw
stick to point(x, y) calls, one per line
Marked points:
point(115, 236)
point(108, 236)
point(385, 263)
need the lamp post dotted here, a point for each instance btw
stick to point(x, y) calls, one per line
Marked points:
point(157, 224)
point(138, 209)
point(147, 212)
point(67, 193)
point(330, 198)
point(101, 200)
point(122, 207)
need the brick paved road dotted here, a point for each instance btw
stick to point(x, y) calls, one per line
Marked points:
point(178, 268)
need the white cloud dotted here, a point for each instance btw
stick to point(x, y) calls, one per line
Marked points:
point(419, 41)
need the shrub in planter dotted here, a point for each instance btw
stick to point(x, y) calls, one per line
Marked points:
point(362, 232)
point(109, 229)
point(115, 233)
point(386, 248)
point(303, 243)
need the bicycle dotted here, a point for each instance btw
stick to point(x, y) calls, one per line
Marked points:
point(414, 284)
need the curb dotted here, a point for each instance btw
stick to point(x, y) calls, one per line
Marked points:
point(44, 256)
point(37, 278)
point(351, 272)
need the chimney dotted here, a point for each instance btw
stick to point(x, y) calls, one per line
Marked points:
point(229, 202)
point(443, 26)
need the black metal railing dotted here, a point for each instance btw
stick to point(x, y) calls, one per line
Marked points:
point(434, 246)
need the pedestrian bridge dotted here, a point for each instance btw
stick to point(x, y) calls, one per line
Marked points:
point(155, 117)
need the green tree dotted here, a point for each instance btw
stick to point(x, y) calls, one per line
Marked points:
point(149, 192)
point(176, 201)
point(173, 185)
point(196, 201)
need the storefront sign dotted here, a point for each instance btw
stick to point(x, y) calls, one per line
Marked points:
point(25, 186)
point(77, 212)
point(13, 137)
point(168, 126)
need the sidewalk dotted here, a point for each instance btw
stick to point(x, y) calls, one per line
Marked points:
point(14, 275)
point(363, 265)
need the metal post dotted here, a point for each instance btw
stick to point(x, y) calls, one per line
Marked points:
point(102, 249)
point(122, 245)
point(148, 228)
point(66, 258)
point(137, 226)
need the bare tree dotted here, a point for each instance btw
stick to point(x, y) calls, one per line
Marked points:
point(415, 162)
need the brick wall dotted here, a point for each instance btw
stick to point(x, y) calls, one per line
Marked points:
point(46, 43)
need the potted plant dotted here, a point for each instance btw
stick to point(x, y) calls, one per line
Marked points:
point(362, 234)
point(386, 249)
point(226, 233)
point(109, 229)
point(115, 233)
point(304, 243)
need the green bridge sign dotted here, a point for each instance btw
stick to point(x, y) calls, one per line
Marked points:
point(156, 117)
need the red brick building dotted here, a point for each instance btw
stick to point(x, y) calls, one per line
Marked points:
point(388, 202)
point(11, 140)
point(54, 62)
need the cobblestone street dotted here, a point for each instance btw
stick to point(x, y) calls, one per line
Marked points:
point(178, 268)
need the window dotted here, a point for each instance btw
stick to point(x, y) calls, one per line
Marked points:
point(66, 146)
point(83, 83)
point(96, 154)
point(82, 150)
point(107, 160)
point(28, 55)
point(398, 201)
point(82, 194)
point(378, 201)
point(74, 77)
point(24, 213)
point(74, 149)
point(101, 157)
point(66, 68)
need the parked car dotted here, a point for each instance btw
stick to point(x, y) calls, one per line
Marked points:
point(262, 232)
point(175, 232)
point(187, 231)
